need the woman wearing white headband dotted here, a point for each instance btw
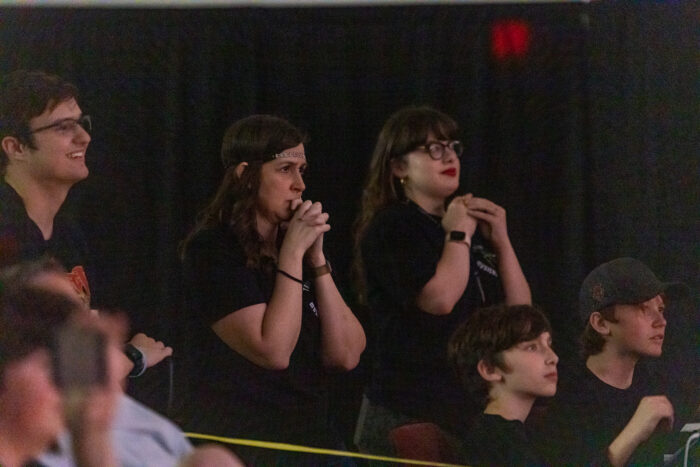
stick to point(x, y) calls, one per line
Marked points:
point(266, 316)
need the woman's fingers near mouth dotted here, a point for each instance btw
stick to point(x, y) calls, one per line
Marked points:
point(295, 203)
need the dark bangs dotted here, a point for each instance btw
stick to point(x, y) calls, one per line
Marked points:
point(524, 324)
point(25, 95)
point(412, 126)
point(258, 137)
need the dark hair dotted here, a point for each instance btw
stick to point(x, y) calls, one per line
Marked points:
point(403, 132)
point(485, 335)
point(253, 140)
point(25, 95)
point(592, 341)
point(29, 314)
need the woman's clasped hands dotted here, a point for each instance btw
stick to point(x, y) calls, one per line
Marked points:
point(466, 212)
point(306, 228)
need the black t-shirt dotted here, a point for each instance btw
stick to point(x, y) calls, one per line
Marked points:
point(587, 414)
point(492, 440)
point(228, 394)
point(22, 240)
point(411, 375)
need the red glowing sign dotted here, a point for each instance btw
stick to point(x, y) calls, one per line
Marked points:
point(510, 39)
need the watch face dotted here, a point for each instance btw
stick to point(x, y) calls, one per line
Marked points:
point(137, 358)
point(457, 235)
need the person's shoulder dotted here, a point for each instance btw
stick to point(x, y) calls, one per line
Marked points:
point(213, 238)
point(6, 190)
point(649, 379)
point(483, 426)
point(136, 417)
point(493, 422)
point(493, 440)
point(66, 224)
point(398, 216)
point(213, 246)
point(394, 211)
point(139, 435)
point(155, 437)
point(575, 384)
point(11, 205)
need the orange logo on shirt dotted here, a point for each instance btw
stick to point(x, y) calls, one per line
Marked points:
point(79, 280)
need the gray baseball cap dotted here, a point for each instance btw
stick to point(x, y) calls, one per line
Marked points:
point(623, 281)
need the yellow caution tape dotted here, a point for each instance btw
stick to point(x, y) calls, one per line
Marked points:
point(298, 448)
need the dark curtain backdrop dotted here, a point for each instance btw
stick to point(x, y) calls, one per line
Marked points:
point(590, 141)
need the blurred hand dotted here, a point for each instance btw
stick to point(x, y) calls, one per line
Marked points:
point(91, 410)
point(154, 351)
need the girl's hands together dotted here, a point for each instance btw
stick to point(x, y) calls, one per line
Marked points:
point(457, 216)
point(491, 219)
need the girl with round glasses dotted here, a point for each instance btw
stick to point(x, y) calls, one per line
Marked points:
point(267, 321)
point(425, 259)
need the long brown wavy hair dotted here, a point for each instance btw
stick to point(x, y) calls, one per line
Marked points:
point(403, 132)
point(253, 140)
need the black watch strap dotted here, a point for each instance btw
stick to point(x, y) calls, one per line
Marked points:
point(137, 358)
point(459, 237)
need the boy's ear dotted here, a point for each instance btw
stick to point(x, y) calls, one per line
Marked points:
point(599, 323)
point(12, 147)
point(398, 167)
point(489, 372)
point(240, 168)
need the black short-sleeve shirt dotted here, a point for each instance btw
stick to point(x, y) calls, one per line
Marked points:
point(22, 240)
point(400, 252)
point(587, 414)
point(229, 395)
point(494, 441)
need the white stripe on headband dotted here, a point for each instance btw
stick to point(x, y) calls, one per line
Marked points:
point(297, 154)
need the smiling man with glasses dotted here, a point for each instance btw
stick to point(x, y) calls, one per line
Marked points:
point(67, 126)
point(44, 137)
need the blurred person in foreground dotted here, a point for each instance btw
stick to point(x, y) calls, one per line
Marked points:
point(38, 300)
point(33, 410)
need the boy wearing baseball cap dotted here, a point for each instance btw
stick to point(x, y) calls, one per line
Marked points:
point(608, 407)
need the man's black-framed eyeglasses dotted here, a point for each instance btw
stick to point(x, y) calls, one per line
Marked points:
point(67, 125)
point(436, 149)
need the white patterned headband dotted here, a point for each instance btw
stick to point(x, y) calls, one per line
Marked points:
point(297, 154)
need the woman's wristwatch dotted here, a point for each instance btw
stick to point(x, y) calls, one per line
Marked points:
point(459, 237)
point(321, 270)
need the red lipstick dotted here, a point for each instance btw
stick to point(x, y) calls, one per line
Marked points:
point(450, 172)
